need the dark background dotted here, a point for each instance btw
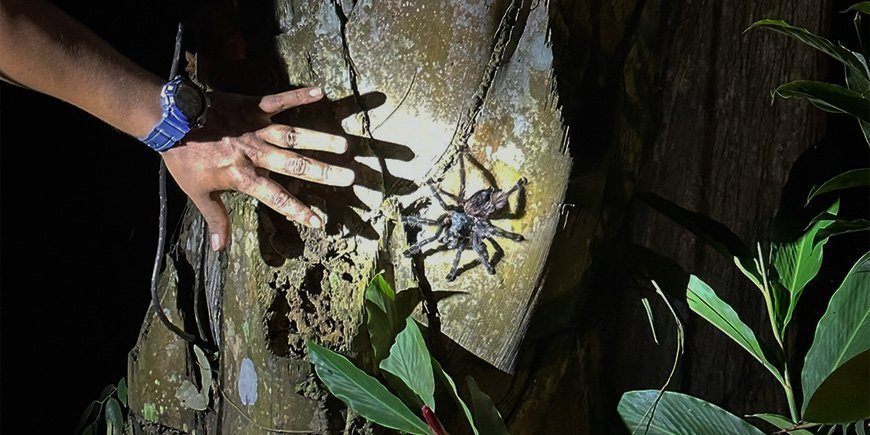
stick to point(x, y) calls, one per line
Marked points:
point(78, 231)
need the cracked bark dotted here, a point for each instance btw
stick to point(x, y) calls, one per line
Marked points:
point(525, 84)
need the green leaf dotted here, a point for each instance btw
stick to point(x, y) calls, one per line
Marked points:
point(842, 333)
point(845, 395)
point(87, 415)
point(798, 262)
point(842, 227)
point(451, 386)
point(781, 422)
point(861, 427)
point(380, 331)
point(90, 430)
point(410, 361)
point(713, 233)
point(678, 413)
point(107, 391)
point(382, 295)
point(704, 301)
point(361, 392)
point(114, 417)
point(649, 317)
point(849, 179)
point(827, 96)
point(863, 7)
point(122, 391)
point(486, 416)
point(846, 57)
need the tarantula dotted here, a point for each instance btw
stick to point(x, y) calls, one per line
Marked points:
point(467, 222)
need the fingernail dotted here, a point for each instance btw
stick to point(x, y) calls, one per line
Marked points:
point(316, 92)
point(315, 221)
point(215, 241)
point(344, 176)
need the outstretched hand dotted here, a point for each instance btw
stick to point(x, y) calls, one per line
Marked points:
point(239, 146)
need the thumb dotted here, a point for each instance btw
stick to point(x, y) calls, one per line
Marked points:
point(215, 214)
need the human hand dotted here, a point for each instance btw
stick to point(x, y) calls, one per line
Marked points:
point(239, 146)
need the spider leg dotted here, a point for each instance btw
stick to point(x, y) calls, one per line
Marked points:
point(461, 195)
point(438, 198)
point(454, 269)
point(506, 234)
point(480, 248)
point(418, 221)
point(417, 247)
point(501, 197)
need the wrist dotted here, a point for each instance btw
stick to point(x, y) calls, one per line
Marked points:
point(183, 107)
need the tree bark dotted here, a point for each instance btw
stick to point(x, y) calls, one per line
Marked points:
point(591, 101)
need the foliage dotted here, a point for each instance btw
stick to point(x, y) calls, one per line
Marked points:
point(406, 369)
point(109, 412)
point(835, 379)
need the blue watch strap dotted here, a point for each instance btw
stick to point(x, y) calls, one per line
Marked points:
point(166, 134)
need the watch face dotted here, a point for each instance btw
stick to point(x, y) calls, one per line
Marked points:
point(189, 100)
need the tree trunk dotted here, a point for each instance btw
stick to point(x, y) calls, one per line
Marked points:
point(633, 90)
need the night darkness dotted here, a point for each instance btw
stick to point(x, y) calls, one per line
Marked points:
point(79, 233)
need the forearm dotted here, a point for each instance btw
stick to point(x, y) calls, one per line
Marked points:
point(44, 49)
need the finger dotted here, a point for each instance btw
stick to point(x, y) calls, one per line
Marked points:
point(272, 104)
point(302, 138)
point(215, 214)
point(277, 198)
point(304, 168)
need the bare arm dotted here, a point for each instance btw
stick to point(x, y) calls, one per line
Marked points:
point(46, 50)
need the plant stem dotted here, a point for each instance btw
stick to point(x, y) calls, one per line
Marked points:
point(789, 394)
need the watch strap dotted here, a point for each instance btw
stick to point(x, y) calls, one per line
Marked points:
point(166, 133)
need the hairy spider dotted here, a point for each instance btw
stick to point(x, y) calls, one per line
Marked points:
point(467, 222)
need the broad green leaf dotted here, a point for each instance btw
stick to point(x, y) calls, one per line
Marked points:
point(861, 427)
point(704, 302)
point(678, 413)
point(841, 54)
point(781, 422)
point(843, 331)
point(713, 233)
point(863, 7)
point(827, 96)
point(382, 295)
point(361, 392)
point(486, 416)
point(380, 331)
point(451, 386)
point(845, 395)
point(849, 179)
point(114, 417)
point(410, 361)
point(798, 262)
point(842, 227)
point(122, 391)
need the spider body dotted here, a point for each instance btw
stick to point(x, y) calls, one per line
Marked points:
point(467, 223)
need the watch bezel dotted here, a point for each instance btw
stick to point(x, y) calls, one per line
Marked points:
point(171, 105)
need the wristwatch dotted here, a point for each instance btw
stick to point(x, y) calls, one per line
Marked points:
point(184, 106)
